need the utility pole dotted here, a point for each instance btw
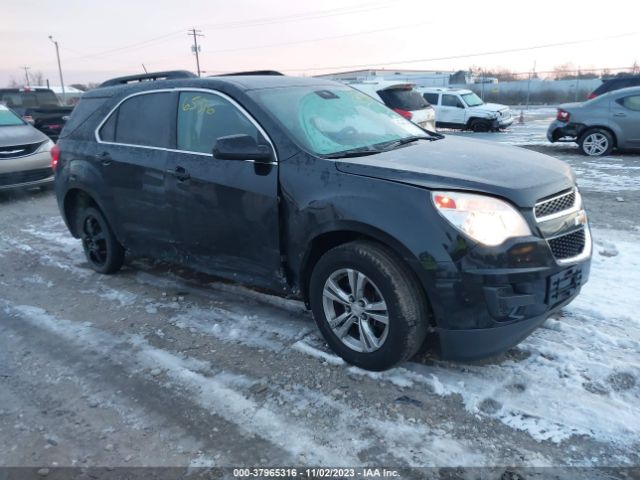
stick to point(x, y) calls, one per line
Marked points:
point(195, 47)
point(64, 95)
point(26, 74)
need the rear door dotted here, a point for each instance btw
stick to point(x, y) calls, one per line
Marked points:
point(625, 113)
point(225, 212)
point(132, 159)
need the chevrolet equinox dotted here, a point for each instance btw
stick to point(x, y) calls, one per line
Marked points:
point(391, 235)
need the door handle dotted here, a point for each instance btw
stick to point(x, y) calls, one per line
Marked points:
point(180, 173)
point(104, 158)
point(620, 114)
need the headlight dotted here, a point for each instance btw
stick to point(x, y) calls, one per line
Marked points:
point(487, 220)
point(45, 147)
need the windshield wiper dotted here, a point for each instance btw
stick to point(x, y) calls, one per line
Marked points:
point(356, 152)
point(404, 141)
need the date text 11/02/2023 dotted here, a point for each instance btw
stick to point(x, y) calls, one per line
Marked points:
point(315, 472)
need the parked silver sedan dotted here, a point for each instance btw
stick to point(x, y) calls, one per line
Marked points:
point(25, 159)
point(598, 126)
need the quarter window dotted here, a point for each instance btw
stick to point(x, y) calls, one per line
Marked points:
point(205, 117)
point(144, 120)
point(432, 98)
point(632, 102)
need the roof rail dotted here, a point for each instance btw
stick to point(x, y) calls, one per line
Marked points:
point(146, 77)
point(250, 72)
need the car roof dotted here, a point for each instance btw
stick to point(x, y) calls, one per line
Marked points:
point(444, 90)
point(242, 82)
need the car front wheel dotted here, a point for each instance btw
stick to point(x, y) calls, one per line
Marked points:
point(368, 306)
point(596, 142)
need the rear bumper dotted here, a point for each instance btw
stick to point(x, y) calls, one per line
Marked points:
point(563, 132)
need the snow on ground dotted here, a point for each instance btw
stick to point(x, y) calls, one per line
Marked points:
point(577, 375)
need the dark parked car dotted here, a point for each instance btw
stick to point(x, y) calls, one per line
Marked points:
point(307, 187)
point(38, 106)
point(615, 84)
point(598, 126)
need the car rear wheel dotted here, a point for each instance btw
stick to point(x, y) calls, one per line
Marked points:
point(596, 142)
point(368, 306)
point(103, 251)
point(478, 125)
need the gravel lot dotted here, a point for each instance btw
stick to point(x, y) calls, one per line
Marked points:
point(159, 366)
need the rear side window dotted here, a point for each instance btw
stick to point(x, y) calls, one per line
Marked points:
point(85, 109)
point(403, 98)
point(144, 120)
point(432, 98)
point(204, 117)
point(632, 102)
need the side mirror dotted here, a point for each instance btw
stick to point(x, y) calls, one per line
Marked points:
point(241, 147)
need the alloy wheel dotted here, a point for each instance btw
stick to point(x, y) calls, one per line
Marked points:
point(94, 240)
point(355, 310)
point(595, 144)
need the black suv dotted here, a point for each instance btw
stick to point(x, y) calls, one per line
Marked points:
point(391, 234)
point(616, 84)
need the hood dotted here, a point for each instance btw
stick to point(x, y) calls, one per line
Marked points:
point(519, 175)
point(20, 135)
point(491, 108)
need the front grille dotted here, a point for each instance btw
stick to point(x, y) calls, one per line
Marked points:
point(556, 204)
point(569, 245)
point(18, 150)
point(24, 177)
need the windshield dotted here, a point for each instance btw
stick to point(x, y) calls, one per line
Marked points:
point(472, 100)
point(330, 120)
point(8, 118)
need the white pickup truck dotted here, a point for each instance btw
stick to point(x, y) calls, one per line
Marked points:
point(461, 108)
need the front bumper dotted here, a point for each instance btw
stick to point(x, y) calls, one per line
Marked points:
point(547, 293)
point(505, 122)
point(25, 172)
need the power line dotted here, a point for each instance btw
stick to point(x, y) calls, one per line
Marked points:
point(466, 55)
point(300, 16)
point(248, 23)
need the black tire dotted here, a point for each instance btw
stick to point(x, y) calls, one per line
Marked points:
point(478, 125)
point(589, 142)
point(406, 305)
point(103, 251)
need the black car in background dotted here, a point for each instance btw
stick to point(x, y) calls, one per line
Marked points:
point(616, 84)
point(391, 234)
point(38, 106)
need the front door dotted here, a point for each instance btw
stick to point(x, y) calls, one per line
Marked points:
point(225, 212)
point(451, 110)
point(625, 112)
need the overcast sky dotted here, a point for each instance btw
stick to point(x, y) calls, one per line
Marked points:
point(99, 39)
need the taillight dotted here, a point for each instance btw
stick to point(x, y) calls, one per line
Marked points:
point(443, 201)
point(591, 95)
point(404, 113)
point(563, 115)
point(55, 156)
point(28, 119)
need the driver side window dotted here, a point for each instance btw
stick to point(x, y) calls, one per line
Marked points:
point(205, 117)
point(451, 101)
